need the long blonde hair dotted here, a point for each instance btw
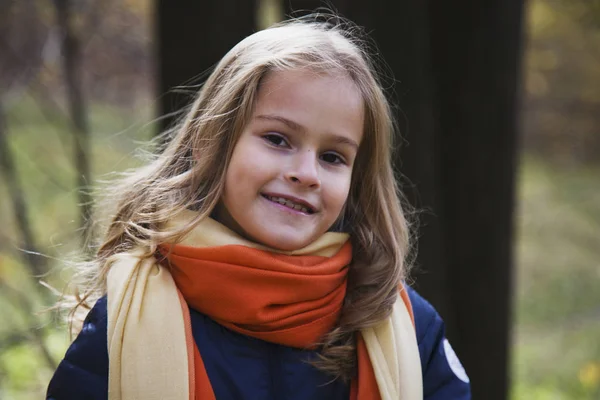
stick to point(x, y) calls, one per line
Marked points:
point(190, 173)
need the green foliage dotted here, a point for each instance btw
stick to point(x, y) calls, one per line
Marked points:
point(41, 144)
point(116, 75)
point(24, 374)
point(20, 363)
point(556, 349)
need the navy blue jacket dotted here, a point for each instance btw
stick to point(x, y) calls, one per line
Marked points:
point(241, 367)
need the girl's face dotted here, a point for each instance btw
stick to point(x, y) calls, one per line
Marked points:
point(290, 171)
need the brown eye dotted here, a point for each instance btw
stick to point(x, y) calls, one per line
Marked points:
point(276, 140)
point(332, 158)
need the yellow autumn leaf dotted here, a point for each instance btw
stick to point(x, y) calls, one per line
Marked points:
point(589, 375)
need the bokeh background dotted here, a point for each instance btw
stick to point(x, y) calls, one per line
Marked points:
point(76, 104)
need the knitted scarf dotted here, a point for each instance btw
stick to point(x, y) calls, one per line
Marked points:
point(290, 298)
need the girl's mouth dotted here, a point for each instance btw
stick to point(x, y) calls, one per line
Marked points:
point(290, 204)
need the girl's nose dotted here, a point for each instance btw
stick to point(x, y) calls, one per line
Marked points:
point(304, 170)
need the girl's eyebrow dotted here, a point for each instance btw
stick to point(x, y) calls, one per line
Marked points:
point(291, 124)
point(297, 127)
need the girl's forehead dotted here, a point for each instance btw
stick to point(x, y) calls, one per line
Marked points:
point(307, 72)
point(303, 84)
point(313, 102)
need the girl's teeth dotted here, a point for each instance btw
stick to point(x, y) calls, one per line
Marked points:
point(289, 204)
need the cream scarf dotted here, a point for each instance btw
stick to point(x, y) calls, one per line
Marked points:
point(146, 334)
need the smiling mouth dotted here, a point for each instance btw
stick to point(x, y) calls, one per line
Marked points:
point(290, 204)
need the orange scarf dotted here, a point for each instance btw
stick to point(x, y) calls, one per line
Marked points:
point(289, 300)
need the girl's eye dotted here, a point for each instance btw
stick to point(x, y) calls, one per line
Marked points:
point(332, 158)
point(275, 140)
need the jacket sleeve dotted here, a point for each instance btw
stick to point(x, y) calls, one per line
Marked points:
point(83, 373)
point(444, 378)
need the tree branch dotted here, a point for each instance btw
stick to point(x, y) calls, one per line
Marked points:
point(34, 334)
point(36, 264)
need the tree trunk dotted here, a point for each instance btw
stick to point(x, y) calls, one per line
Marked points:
point(192, 37)
point(72, 71)
point(476, 60)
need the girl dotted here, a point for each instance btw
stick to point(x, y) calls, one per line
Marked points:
point(262, 255)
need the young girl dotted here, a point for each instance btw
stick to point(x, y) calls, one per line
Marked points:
point(262, 255)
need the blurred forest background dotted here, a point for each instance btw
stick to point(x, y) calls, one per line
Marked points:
point(77, 98)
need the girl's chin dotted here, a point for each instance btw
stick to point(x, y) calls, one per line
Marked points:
point(281, 240)
point(285, 242)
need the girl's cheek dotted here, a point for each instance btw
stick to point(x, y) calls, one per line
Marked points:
point(340, 189)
